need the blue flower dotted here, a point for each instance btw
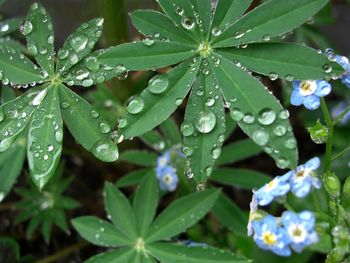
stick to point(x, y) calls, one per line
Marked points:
point(279, 186)
point(300, 229)
point(269, 236)
point(339, 109)
point(344, 62)
point(253, 209)
point(309, 92)
point(304, 178)
point(163, 160)
point(167, 178)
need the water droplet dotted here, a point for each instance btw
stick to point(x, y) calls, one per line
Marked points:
point(106, 151)
point(205, 122)
point(239, 34)
point(267, 117)
point(187, 23)
point(104, 127)
point(2, 115)
point(4, 27)
point(94, 114)
point(59, 136)
point(178, 102)
point(32, 49)
point(216, 31)
point(236, 114)
point(273, 76)
point(260, 137)
point(63, 53)
point(81, 74)
point(291, 143)
point(92, 63)
point(327, 68)
point(5, 144)
point(187, 129)
point(158, 84)
point(210, 101)
point(39, 97)
point(280, 130)
point(78, 43)
point(135, 105)
point(284, 114)
point(122, 123)
point(248, 118)
point(200, 187)
point(199, 92)
point(187, 151)
point(65, 105)
point(282, 163)
point(289, 77)
point(26, 28)
point(216, 152)
point(266, 37)
point(148, 41)
point(180, 11)
point(51, 39)
point(50, 148)
point(189, 173)
point(87, 82)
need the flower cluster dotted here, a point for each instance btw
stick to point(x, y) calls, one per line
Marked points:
point(290, 232)
point(166, 174)
point(300, 181)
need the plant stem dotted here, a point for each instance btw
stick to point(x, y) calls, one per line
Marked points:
point(63, 253)
point(329, 145)
point(341, 153)
point(341, 116)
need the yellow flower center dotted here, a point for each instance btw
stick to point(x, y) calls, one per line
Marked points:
point(271, 184)
point(167, 179)
point(308, 87)
point(269, 238)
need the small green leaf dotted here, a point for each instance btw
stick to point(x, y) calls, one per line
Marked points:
point(15, 68)
point(243, 178)
point(151, 24)
point(146, 202)
point(142, 158)
point(238, 151)
point(46, 227)
point(139, 56)
point(99, 232)
point(157, 107)
point(203, 9)
point(121, 213)
point(283, 60)
point(174, 253)
point(154, 140)
point(230, 215)
point(231, 126)
point(268, 20)
point(122, 255)
point(204, 120)
point(182, 214)
point(171, 132)
point(86, 126)
point(258, 113)
point(40, 39)
point(79, 44)
point(9, 26)
point(34, 223)
point(45, 138)
point(132, 178)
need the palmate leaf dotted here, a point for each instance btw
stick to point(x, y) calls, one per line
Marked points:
point(269, 20)
point(9, 26)
point(202, 11)
point(123, 255)
point(258, 113)
point(154, 108)
point(283, 60)
point(204, 126)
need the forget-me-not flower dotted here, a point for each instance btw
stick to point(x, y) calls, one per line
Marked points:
point(268, 235)
point(344, 62)
point(339, 109)
point(167, 178)
point(309, 92)
point(279, 186)
point(163, 160)
point(304, 177)
point(300, 229)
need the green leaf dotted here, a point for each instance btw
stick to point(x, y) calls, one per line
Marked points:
point(182, 214)
point(16, 114)
point(34, 223)
point(122, 255)
point(16, 68)
point(45, 138)
point(204, 119)
point(154, 140)
point(203, 10)
point(171, 132)
point(142, 158)
point(283, 60)
point(46, 227)
point(231, 126)
point(90, 72)
point(40, 39)
point(9, 26)
point(11, 164)
point(79, 44)
point(268, 20)
point(60, 220)
point(238, 151)
point(158, 107)
point(151, 23)
point(121, 213)
point(258, 113)
point(146, 202)
point(86, 126)
point(174, 253)
point(230, 215)
point(243, 178)
point(226, 13)
point(132, 178)
point(99, 232)
point(139, 56)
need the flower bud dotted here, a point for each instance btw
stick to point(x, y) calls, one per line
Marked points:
point(332, 184)
point(318, 133)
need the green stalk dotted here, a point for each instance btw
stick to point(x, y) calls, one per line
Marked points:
point(329, 145)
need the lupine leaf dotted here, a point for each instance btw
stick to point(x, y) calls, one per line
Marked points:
point(182, 214)
point(86, 126)
point(158, 107)
point(259, 113)
point(122, 255)
point(133, 177)
point(45, 138)
point(237, 151)
point(231, 126)
point(40, 39)
point(151, 23)
point(142, 158)
point(16, 68)
point(154, 140)
point(230, 215)
point(146, 202)
point(205, 118)
point(202, 9)
point(9, 26)
point(12, 44)
point(99, 232)
point(170, 129)
point(138, 56)
point(46, 227)
point(269, 20)
point(227, 12)
point(16, 114)
point(282, 60)
point(243, 178)
point(79, 44)
point(120, 210)
point(174, 253)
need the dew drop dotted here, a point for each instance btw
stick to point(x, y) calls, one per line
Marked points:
point(4, 27)
point(87, 82)
point(78, 43)
point(280, 130)
point(94, 114)
point(216, 31)
point(65, 105)
point(205, 122)
point(289, 77)
point(282, 163)
point(122, 123)
point(216, 152)
point(104, 127)
point(267, 116)
point(187, 23)
point(210, 102)
point(32, 49)
point(187, 129)
point(188, 151)
point(2, 115)
point(63, 53)
point(327, 68)
point(248, 118)
point(158, 84)
point(135, 105)
point(266, 37)
point(106, 151)
point(236, 114)
point(291, 143)
point(239, 34)
point(284, 114)
point(5, 144)
point(260, 137)
point(92, 63)
point(26, 28)
point(178, 102)
point(148, 41)
point(273, 76)
point(39, 97)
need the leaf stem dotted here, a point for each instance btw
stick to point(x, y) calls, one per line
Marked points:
point(329, 145)
point(341, 153)
point(341, 116)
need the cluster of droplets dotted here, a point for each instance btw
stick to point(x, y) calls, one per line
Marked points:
point(187, 22)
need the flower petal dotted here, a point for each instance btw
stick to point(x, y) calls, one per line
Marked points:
point(296, 99)
point(311, 102)
point(323, 88)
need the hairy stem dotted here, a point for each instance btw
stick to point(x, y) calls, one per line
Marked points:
point(329, 145)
